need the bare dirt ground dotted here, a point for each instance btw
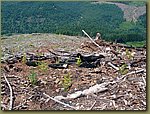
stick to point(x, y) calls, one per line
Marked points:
point(118, 83)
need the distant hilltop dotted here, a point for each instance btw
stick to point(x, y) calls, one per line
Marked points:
point(124, 21)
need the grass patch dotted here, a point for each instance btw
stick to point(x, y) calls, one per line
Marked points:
point(136, 44)
point(137, 3)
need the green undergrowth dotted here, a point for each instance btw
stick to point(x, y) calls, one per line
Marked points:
point(67, 82)
point(136, 44)
point(32, 77)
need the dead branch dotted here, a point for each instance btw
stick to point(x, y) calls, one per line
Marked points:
point(3, 106)
point(53, 52)
point(133, 72)
point(113, 66)
point(114, 104)
point(59, 101)
point(11, 93)
point(92, 106)
point(91, 39)
point(144, 80)
point(11, 76)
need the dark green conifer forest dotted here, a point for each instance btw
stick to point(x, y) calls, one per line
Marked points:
point(70, 18)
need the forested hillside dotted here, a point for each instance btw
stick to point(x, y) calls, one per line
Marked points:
point(70, 18)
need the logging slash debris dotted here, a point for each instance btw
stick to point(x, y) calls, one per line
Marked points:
point(98, 75)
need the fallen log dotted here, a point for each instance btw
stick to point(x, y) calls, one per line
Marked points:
point(89, 58)
point(32, 63)
point(69, 61)
point(90, 64)
point(92, 90)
